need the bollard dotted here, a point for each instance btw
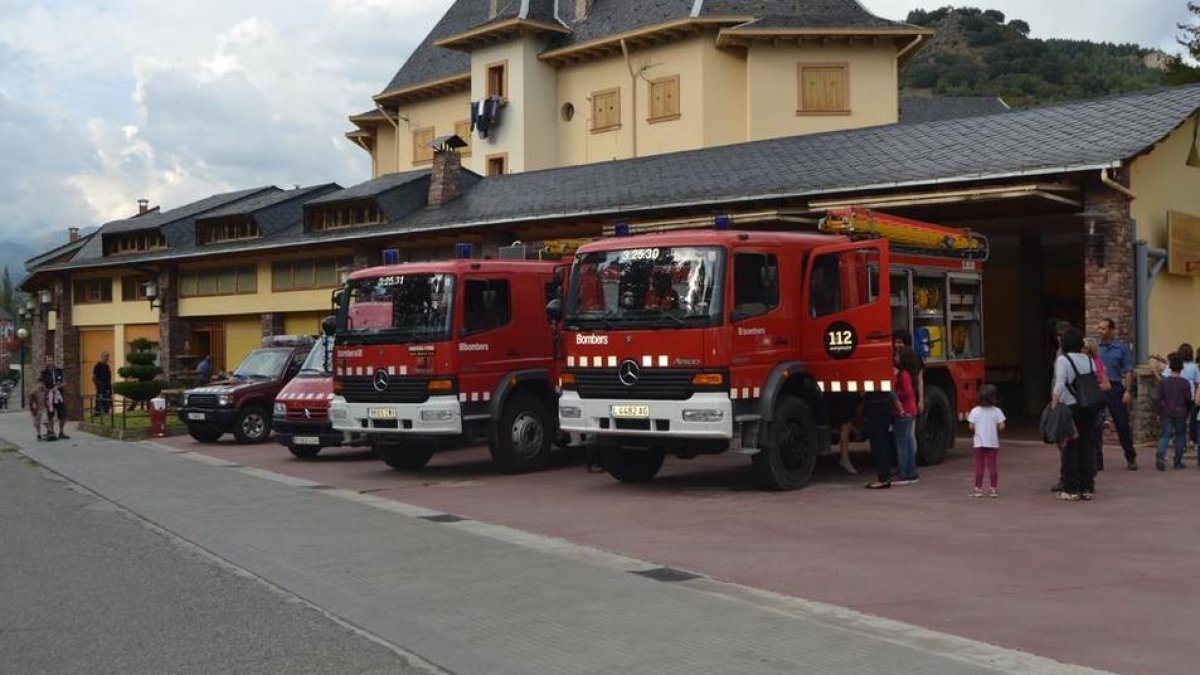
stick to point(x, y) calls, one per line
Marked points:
point(158, 417)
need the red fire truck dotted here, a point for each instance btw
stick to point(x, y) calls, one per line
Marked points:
point(701, 341)
point(437, 354)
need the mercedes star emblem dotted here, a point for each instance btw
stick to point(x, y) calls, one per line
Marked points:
point(628, 373)
point(380, 381)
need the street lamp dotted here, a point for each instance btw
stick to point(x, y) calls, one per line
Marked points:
point(22, 335)
point(151, 292)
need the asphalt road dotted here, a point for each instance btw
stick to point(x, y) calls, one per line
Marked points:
point(85, 587)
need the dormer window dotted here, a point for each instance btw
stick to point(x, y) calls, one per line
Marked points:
point(338, 216)
point(134, 242)
point(226, 229)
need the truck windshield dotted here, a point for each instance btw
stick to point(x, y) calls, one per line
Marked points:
point(400, 308)
point(317, 362)
point(263, 364)
point(658, 287)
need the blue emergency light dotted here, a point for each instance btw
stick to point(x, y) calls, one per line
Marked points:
point(463, 251)
point(391, 256)
point(621, 229)
point(722, 222)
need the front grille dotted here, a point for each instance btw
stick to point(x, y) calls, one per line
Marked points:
point(399, 390)
point(652, 385)
point(314, 414)
point(202, 400)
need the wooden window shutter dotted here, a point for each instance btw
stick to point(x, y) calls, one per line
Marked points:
point(606, 110)
point(664, 99)
point(462, 129)
point(422, 152)
point(824, 88)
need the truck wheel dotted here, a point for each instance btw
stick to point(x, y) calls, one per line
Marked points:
point(632, 466)
point(304, 451)
point(252, 425)
point(204, 435)
point(522, 437)
point(935, 428)
point(789, 451)
point(405, 456)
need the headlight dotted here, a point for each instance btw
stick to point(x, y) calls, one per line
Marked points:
point(185, 399)
point(570, 412)
point(443, 415)
point(703, 415)
point(223, 400)
point(337, 413)
point(280, 410)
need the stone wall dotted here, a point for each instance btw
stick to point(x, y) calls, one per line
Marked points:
point(174, 333)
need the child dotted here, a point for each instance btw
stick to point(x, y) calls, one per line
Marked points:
point(1174, 392)
point(37, 405)
point(906, 414)
point(987, 421)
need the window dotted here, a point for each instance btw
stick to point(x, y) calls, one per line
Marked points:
point(824, 89)
point(218, 281)
point(227, 229)
point(337, 216)
point(843, 281)
point(497, 165)
point(422, 150)
point(755, 284)
point(497, 79)
point(606, 110)
point(134, 242)
point(299, 275)
point(91, 291)
point(664, 99)
point(134, 288)
point(462, 129)
point(486, 306)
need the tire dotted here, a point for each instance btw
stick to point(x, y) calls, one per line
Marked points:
point(935, 428)
point(523, 435)
point(252, 425)
point(789, 450)
point(632, 466)
point(405, 456)
point(204, 435)
point(304, 451)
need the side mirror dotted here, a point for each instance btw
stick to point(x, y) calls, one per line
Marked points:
point(335, 298)
point(554, 310)
point(329, 325)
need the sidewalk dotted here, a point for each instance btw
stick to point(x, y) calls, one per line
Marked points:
point(475, 598)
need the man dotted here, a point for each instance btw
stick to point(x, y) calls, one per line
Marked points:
point(102, 380)
point(204, 369)
point(661, 294)
point(1118, 365)
point(56, 403)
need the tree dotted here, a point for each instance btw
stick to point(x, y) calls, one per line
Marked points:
point(1179, 72)
point(1191, 32)
point(142, 370)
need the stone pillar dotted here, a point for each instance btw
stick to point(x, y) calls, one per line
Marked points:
point(66, 348)
point(272, 324)
point(1108, 281)
point(174, 333)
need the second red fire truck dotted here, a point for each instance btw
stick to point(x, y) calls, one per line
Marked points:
point(702, 341)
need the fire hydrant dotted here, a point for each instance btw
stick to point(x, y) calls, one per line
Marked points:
point(158, 417)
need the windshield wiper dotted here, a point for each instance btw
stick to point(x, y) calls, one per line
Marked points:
point(662, 314)
point(312, 370)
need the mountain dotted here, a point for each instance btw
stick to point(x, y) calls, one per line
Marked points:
point(981, 53)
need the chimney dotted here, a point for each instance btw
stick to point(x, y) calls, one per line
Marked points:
point(445, 185)
point(143, 206)
point(581, 9)
point(72, 234)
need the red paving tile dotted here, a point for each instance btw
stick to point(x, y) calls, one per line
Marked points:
point(1109, 584)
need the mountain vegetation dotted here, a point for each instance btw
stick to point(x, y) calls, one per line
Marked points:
point(978, 52)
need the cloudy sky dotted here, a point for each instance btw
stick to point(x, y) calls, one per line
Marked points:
point(104, 103)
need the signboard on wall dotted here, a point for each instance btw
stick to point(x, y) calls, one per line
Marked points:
point(1183, 243)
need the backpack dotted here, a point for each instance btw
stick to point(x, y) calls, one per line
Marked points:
point(1086, 388)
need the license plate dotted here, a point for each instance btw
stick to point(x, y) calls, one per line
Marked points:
point(306, 440)
point(381, 413)
point(631, 411)
point(197, 416)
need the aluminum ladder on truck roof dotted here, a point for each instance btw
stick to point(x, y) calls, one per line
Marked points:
point(913, 235)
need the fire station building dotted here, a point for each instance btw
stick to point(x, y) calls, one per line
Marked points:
point(579, 116)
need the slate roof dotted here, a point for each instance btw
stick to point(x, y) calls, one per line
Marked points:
point(918, 109)
point(153, 220)
point(606, 18)
point(275, 212)
point(1080, 136)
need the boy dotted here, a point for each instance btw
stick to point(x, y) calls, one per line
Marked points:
point(1174, 393)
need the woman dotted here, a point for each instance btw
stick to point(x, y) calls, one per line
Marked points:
point(1078, 455)
point(906, 413)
